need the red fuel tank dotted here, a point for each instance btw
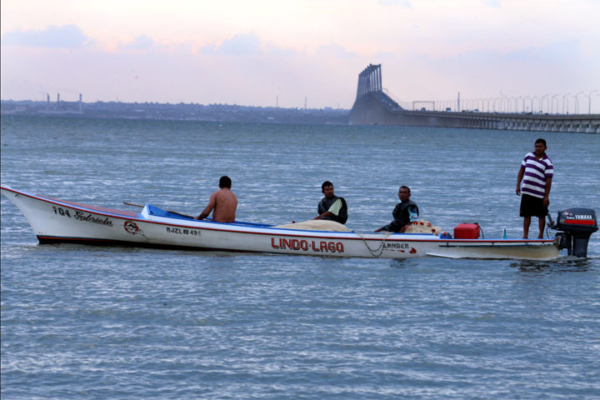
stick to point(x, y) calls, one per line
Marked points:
point(466, 231)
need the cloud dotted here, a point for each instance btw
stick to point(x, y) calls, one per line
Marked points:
point(208, 49)
point(335, 51)
point(143, 42)
point(55, 37)
point(492, 3)
point(385, 55)
point(279, 51)
point(246, 44)
point(557, 53)
point(557, 67)
point(389, 3)
point(551, 53)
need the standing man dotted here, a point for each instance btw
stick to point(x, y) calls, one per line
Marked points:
point(331, 207)
point(223, 201)
point(536, 176)
point(405, 212)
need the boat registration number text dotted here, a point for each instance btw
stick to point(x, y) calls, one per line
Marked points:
point(180, 231)
point(306, 245)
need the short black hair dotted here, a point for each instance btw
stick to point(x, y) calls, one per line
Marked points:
point(325, 184)
point(225, 182)
point(542, 141)
point(405, 187)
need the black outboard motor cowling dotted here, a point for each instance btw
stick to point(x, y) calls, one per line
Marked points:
point(577, 225)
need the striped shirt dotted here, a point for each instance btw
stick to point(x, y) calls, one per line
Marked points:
point(536, 174)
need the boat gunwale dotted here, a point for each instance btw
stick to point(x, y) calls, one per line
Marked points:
point(286, 232)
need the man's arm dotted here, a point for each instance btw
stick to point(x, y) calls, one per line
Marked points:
point(519, 179)
point(547, 193)
point(393, 226)
point(333, 210)
point(211, 205)
point(325, 214)
point(386, 227)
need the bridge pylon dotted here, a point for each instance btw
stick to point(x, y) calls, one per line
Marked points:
point(369, 80)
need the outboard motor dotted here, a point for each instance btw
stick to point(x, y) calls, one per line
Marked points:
point(577, 225)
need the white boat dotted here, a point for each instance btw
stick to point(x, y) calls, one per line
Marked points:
point(59, 221)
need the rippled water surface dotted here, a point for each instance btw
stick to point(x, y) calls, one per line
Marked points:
point(101, 322)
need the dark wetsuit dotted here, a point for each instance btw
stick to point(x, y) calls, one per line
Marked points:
point(402, 215)
point(325, 204)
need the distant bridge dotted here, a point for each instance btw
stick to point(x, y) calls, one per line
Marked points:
point(374, 107)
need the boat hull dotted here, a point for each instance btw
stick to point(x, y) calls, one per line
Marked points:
point(59, 221)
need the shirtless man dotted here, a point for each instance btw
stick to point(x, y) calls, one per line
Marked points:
point(224, 202)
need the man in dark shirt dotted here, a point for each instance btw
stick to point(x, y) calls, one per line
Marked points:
point(331, 207)
point(405, 212)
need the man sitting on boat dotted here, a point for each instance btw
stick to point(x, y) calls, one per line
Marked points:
point(332, 207)
point(404, 213)
point(223, 202)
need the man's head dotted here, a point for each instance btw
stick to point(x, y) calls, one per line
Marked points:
point(540, 147)
point(404, 193)
point(327, 189)
point(225, 182)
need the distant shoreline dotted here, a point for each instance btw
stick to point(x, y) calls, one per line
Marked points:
point(174, 112)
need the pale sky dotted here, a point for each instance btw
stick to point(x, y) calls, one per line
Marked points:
point(266, 51)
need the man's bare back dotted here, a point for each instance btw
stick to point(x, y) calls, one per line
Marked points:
point(224, 203)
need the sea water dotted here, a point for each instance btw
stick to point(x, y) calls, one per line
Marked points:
point(121, 323)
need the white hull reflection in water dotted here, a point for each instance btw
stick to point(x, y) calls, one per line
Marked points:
point(129, 322)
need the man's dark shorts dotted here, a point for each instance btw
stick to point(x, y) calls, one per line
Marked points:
point(533, 207)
